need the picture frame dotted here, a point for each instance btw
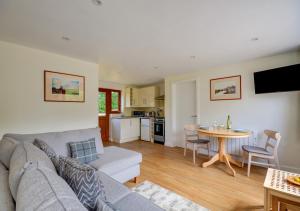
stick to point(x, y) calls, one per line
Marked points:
point(63, 87)
point(226, 88)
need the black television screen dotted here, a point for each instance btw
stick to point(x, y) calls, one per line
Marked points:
point(281, 79)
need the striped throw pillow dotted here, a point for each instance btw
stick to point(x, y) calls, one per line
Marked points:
point(84, 151)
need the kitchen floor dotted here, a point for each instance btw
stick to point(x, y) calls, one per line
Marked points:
point(210, 187)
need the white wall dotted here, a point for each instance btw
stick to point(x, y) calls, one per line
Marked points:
point(22, 107)
point(277, 111)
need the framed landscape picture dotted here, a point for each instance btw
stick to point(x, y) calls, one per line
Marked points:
point(228, 88)
point(63, 87)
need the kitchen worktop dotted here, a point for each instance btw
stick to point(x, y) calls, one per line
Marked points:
point(125, 117)
point(130, 117)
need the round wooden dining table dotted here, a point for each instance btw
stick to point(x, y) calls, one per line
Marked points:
point(222, 135)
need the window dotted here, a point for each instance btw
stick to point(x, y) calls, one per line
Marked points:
point(115, 101)
point(102, 103)
point(109, 101)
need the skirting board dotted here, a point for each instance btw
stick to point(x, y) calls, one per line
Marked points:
point(126, 140)
point(282, 167)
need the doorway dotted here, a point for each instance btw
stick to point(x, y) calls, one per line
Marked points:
point(109, 102)
point(185, 107)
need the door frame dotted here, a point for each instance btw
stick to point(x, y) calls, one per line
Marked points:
point(109, 108)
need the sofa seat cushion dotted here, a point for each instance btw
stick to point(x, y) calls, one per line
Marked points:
point(6, 200)
point(134, 201)
point(42, 189)
point(24, 153)
point(115, 159)
point(114, 190)
point(58, 141)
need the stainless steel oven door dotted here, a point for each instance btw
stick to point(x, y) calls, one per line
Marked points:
point(159, 129)
point(159, 132)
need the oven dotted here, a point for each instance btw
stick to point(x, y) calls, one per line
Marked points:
point(159, 130)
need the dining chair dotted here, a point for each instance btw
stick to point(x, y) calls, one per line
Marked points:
point(191, 137)
point(273, 140)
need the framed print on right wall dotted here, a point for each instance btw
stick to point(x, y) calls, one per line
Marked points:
point(227, 88)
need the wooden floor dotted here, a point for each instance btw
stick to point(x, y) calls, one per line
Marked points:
point(210, 187)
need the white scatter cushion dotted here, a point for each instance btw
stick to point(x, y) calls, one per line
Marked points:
point(41, 189)
point(7, 147)
point(24, 153)
point(6, 200)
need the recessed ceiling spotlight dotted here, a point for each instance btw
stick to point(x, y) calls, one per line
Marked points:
point(193, 57)
point(65, 38)
point(97, 2)
point(254, 38)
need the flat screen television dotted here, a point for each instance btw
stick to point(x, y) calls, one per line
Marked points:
point(281, 79)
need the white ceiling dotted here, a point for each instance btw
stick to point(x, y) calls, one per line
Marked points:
point(130, 37)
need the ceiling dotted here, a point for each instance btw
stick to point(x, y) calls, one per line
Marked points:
point(143, 41)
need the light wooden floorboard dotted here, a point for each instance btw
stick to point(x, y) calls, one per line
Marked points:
point(210, 187)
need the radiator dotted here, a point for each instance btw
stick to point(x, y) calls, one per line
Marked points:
point(233, 145)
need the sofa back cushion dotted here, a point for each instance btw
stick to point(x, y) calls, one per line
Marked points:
point(24, 153)
point(7, 147)
point(58, 141)
point(42, 189)
point(6, 200)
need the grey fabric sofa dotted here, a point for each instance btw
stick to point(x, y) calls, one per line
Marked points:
point(115, 166)
point(121, 164)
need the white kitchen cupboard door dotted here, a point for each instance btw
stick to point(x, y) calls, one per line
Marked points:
point(135, 97)
point(143, 97)
point(145, 129)
point(135, 127)
point(128, 97)
point(125, 128)
point(145, 134)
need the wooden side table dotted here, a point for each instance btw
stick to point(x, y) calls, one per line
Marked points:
point(280, 194)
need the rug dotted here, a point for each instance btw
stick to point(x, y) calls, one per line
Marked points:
point(166, 199)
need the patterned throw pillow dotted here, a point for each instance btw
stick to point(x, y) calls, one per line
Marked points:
point(84, 151)
point(83, 180)
point(48, 150)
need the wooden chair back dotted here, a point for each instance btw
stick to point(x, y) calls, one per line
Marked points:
point(190, 131)
point(276, 137)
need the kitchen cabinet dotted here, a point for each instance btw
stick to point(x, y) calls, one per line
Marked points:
point(141, 97)
point(125, 129)
point(132, 97)
point(135, 97)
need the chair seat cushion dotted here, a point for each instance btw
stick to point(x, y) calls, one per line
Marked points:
point(198, 141)
point(253, 149)
point(115, 159)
